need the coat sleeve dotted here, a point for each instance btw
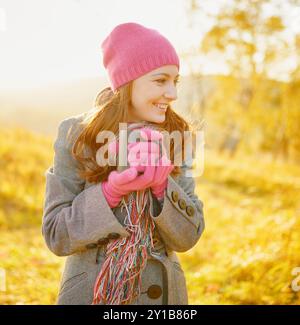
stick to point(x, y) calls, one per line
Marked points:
point(179, 217)
point(73, 217)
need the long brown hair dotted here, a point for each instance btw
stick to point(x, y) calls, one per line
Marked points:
point(111, 108)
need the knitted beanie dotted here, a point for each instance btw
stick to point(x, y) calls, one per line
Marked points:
point(131, 50)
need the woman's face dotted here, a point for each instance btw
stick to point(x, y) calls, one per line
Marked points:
point(157, 86)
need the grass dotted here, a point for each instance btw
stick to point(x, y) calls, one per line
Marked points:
point(249, 248)
point(32, 271)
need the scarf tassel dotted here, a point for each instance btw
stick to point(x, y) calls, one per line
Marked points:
point(119, 281)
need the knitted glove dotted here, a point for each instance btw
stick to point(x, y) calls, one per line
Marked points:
point(142, 156)
point(162, 172)
point(163, 166)
point(122, 183)
point(143, 153)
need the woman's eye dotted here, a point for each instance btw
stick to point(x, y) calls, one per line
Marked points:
point(163, 80)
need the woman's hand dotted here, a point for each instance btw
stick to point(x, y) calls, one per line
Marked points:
point(151, 150)
point(144, 158)
point(122, 183)
point(162, 172)
point(143, 153)
point(160, 180)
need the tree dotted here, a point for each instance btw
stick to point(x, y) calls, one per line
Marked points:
point(256, 42)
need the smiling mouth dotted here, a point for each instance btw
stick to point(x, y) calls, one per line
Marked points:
point(163, 109)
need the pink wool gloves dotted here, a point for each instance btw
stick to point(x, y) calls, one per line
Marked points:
point(142, 157)
point(122, 183)
point(151, 150)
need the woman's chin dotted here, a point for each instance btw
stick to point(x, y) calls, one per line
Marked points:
point(158, 119)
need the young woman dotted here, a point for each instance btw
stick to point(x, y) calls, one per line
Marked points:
point(121, 229)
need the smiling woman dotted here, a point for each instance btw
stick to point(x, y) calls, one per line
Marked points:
point(150, 99)
point(121, 229)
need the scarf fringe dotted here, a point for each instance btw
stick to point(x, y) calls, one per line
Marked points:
point(119, 281)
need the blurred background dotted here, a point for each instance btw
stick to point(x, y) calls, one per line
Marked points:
point(240, 74)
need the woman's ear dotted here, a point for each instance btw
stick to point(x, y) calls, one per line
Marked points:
point(103, 96)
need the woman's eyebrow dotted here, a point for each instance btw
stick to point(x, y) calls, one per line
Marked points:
point(165, 74)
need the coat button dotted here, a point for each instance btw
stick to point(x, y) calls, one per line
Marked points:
point(90, 246)
point(154, 291)
point(190, 210)
point(174, 196)
point(113, 235)
point(182, 204)
point(102, 241)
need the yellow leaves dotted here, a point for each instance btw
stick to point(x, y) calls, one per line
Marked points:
point(274, 23)
point(212, 288)
point(244, 257)
point(32, 271)
point(215, 39)
point(24, 158)
point(242, 19)
point(252, 238)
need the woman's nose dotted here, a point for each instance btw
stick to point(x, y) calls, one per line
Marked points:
point(171, 93)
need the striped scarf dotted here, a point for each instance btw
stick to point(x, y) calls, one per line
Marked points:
point(119, 281)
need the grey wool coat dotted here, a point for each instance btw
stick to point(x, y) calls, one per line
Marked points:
point(78, 223)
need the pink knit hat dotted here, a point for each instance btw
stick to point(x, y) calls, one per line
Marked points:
point(131, 50)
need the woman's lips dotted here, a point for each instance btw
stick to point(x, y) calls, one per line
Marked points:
point(160, 108)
